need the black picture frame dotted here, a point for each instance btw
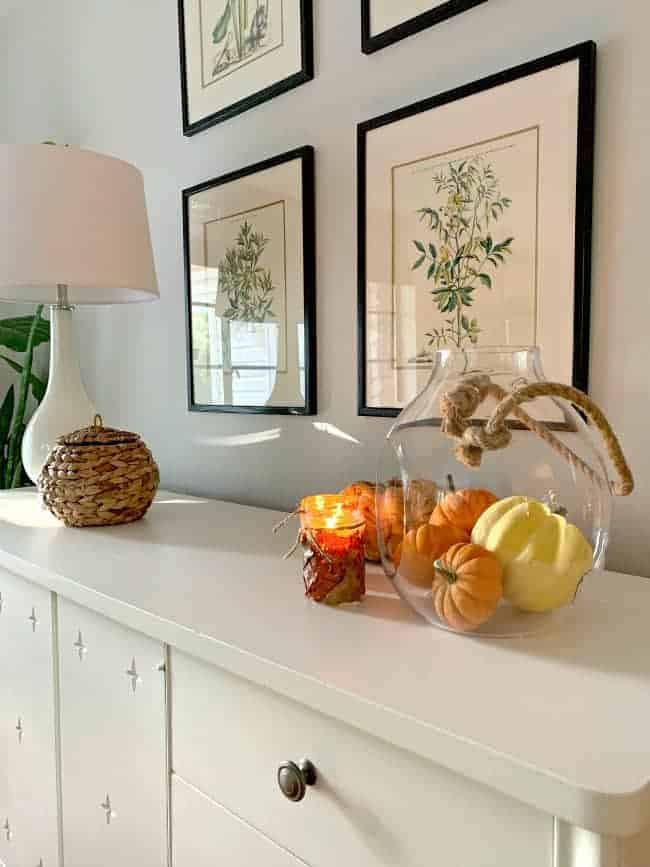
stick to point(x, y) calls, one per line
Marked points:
point(306, 155)
point(301, 76)
point(370, 43)
point(585, 54)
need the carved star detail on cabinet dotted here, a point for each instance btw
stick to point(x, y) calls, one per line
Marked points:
point(20, 729)
point(6, 827)
point(79, 646)
point(133, 674)
point(108, 809)
point(33, 619)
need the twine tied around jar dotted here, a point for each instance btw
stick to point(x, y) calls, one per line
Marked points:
point(304, 537)
point(459, 405)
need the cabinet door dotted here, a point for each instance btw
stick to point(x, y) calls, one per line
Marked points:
point(206, 835)
point(372, 806)
point(113, 743)
point(28, 790)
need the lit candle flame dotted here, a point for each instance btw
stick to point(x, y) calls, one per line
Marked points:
point(336, 519)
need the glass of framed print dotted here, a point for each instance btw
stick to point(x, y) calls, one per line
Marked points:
point(386, 21)
point(250, 277)
point(475, 226)
point(236, 54)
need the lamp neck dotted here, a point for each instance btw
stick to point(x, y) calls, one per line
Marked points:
point(62, 301)
point(64, 359)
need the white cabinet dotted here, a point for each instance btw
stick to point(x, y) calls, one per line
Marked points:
point(113, 723)
point(206, 835)
point(28, 790)
point(430, 748)
point(379, 805)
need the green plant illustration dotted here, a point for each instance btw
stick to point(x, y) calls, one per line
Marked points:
point(248, 285)
point(22, 334)
point(465, 255)
point(239, 32)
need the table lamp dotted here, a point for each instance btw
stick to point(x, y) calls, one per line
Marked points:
point(73, 230)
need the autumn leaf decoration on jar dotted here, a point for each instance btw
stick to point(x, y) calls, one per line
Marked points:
point(332, 534)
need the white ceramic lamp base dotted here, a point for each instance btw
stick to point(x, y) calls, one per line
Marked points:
point(66, 406)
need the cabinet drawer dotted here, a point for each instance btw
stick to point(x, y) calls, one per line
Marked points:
point(206, 835)
point(372, 805)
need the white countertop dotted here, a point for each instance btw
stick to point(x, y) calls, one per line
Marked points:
point(560, 721)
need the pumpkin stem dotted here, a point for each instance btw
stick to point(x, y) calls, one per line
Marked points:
point(449, 575)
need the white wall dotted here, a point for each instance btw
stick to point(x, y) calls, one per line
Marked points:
point(28, 112)
point(118, 68)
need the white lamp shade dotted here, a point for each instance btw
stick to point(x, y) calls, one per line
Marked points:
point(76, 218)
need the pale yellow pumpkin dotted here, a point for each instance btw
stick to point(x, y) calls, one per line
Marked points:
point(544, 557)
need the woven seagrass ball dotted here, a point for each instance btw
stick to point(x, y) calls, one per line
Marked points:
point(99, 476)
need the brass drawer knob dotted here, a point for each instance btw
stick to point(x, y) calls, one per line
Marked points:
point(293, 779)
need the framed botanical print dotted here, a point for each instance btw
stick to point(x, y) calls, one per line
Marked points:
point(236, 54)
point(250, 278)
point(384, 22)
point(475, 226)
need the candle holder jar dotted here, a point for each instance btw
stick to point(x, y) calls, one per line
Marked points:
point(332, 536)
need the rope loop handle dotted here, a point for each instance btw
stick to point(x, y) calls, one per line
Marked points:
point(460, 404)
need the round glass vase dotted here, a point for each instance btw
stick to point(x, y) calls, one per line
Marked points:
point(418, 469)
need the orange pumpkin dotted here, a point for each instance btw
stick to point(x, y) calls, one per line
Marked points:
point(365, 496)
point(462, 508)
point(422, 547)
point(467, 586)
point(420, 501)
point(394, 550)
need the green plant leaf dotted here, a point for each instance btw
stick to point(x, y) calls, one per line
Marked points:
point(432, 251)
point(38, 386)
point(449, 303)
point(14, 469)
point(487, 244)
point(420, 246)
point(219, 32)
point(431, 271)
point(14, 333)
point(419, 263)
point(486, 280)
point(433, 217)
point(6, 414)
point(503, 247)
